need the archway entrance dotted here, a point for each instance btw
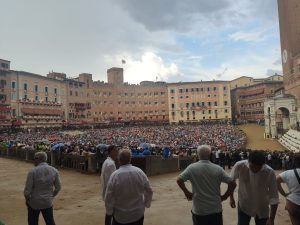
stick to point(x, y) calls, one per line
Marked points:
point(280, 115)
point(282, 118)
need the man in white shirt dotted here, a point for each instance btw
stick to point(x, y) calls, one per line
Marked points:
point(292, 180)
point(42, 185)
point(257, 190)
point(128, 193)
point(108, 168)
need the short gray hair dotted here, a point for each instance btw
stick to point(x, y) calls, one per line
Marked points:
point(41, 156)
point(125, 156)
point(204, 151)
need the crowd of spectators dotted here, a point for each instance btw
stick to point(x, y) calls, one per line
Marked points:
point(178, 139)
point(227, 142)
point(278, 160)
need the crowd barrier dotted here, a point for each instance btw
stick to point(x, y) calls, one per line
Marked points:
point(89, 163)
point(185, 161)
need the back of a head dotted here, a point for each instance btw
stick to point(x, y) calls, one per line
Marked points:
point(297, 160)
point(257, 158)
point(125, 156)
point(41, 156)
point(204, 152)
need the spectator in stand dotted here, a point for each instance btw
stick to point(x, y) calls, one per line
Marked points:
point(222, 159)
point(292, 179)
point(166, 152)
point(146, 152)
point(269, 159)
point(217, 154)
point(228, 158)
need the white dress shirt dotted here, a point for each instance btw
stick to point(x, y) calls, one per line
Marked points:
point(256, 190)
point(128, 193)
point(108, 168)
point(42, 185)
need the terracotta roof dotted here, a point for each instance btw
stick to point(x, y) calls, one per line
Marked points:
point(41, 111)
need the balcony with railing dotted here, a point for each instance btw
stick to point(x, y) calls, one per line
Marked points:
point(80, 106)
point(41, 112)
point(41, 103)
point(43, 117)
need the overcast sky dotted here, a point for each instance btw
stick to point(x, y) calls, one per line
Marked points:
point(169, 40)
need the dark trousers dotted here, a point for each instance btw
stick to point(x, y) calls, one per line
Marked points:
point(244, 219)
point(212, 219)
point(138, 222)
point(33, 216)
point(294, 212)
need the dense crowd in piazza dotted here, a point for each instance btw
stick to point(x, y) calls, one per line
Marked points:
point(227, 141)
point(175, 137)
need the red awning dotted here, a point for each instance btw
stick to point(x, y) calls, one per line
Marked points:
point(17, 123)
point(4, 108)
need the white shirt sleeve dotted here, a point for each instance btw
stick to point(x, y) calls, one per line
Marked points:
point(57, 184)
point(274, 197)
point(225, 177)
point(28, 185)
point(148, 192)
point(107, 172)
point(284, 176)
point(235, 171)
point(110, 196)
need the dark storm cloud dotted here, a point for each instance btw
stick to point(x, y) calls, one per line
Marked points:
point(173, 15)
point(187, 15)
point(75, 36)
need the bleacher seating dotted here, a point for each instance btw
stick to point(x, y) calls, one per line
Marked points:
point(291, 140)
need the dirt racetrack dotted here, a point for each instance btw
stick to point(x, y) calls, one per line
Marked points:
point(255, 138)
point(79, 202)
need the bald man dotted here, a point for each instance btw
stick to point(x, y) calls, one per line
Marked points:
point(128, 193)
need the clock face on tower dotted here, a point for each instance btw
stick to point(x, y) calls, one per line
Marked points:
point(284, 56)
